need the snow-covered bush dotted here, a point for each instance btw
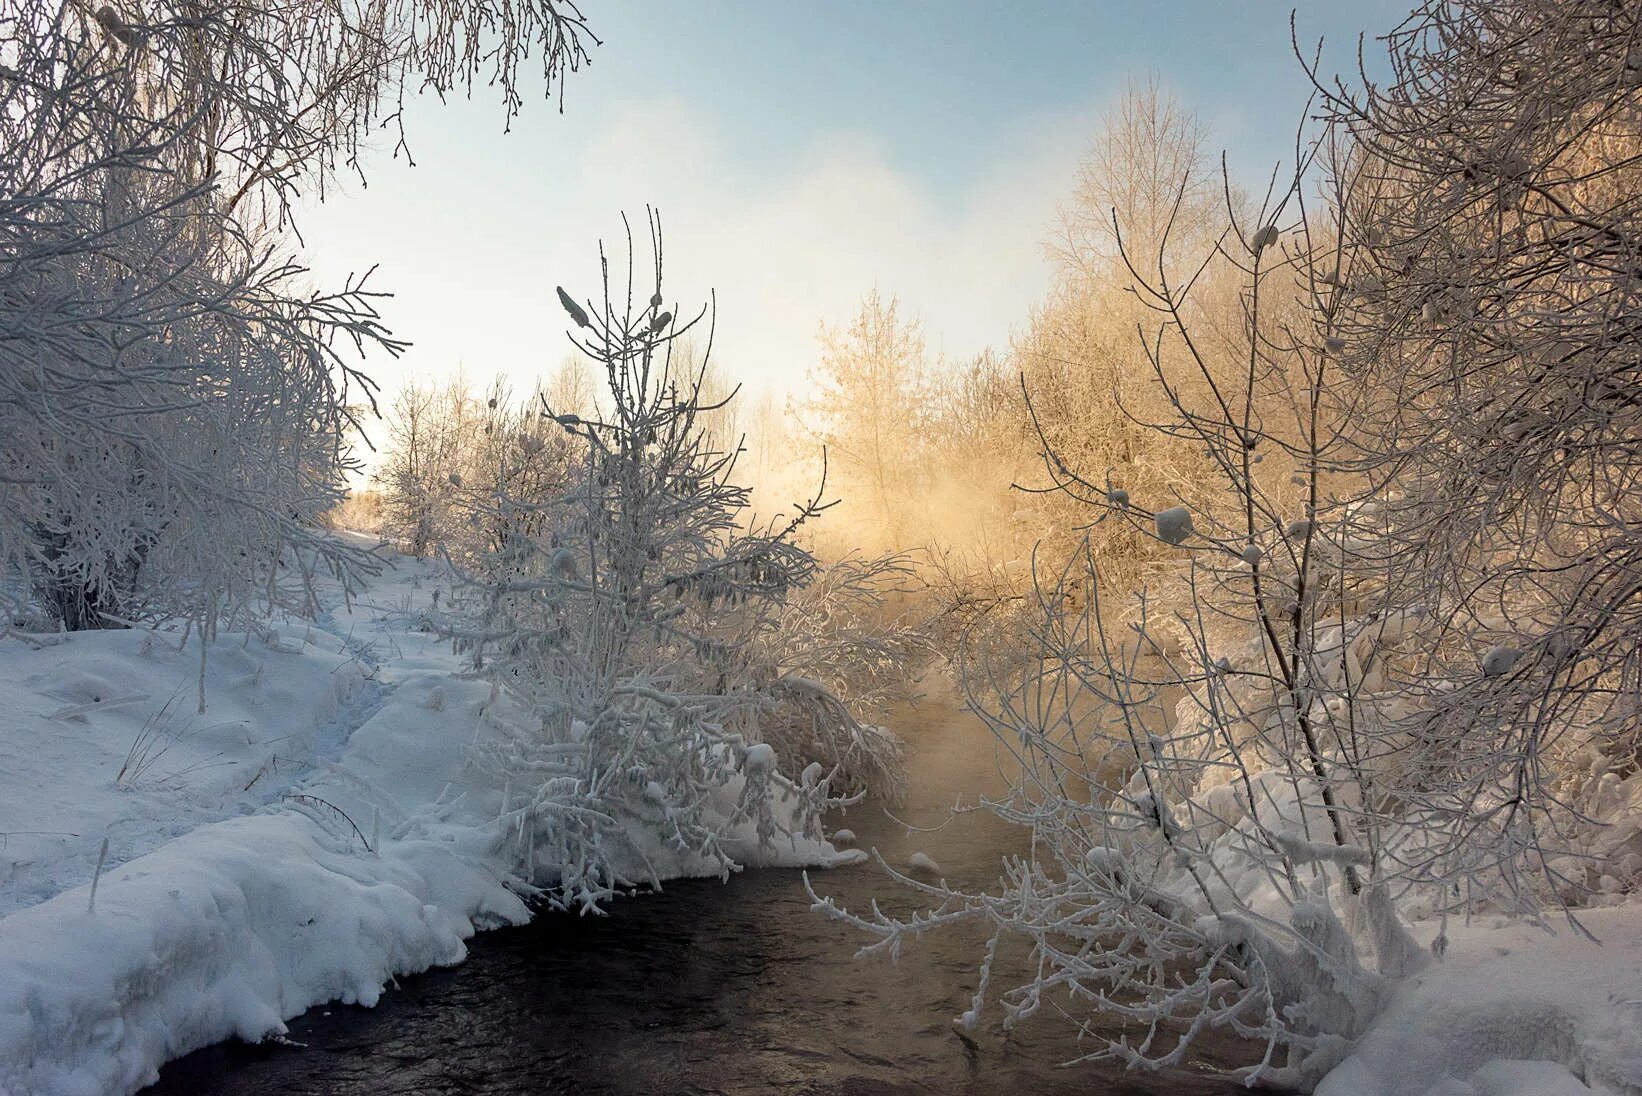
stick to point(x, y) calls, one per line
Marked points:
point(834, 656)
point(641, 615)
point(174, 398)
point(1219, 820)
point(1486, 286)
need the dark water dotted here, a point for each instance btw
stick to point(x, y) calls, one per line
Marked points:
point(710, 988)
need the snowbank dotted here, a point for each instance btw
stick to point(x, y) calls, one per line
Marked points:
point(226, 931)
point(102, 737)
point(1512, 1011)
point(318, 830)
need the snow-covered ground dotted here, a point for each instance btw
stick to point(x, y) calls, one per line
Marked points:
point(314, 832)
point(1512, 1011)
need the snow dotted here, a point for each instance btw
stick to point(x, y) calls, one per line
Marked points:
point(317, 831)
point(1499, 660)
point(1174, 525)
point(1297, 850)
point(923, 864)
point(320, 830)
point(1511, 1010)
point(760, 759)
point(1263, 238)
point(80, 710)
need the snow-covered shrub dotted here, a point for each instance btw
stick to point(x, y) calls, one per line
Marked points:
point(834, 657)
point(641, 617)
point(174, 397)
point(1219, 822)
point(1485, 290)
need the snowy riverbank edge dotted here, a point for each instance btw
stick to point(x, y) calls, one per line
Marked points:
point(245, 898)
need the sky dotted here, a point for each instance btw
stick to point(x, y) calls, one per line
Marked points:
point(801, 154)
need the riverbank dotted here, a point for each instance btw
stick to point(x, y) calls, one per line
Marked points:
point(175, 878)
point(317, 835)
point(732, 989)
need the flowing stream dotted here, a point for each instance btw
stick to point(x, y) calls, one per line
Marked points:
point(714, 988)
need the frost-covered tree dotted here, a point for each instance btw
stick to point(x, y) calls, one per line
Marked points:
point(173, 407)
point(1209, 838)
point(515, 450)
point(428, 427)
point(867, 396)
point(451, 451)
point(1393, 671)
point(639, 614)
point(174, 397)
point(1488, 283)
point(1146, 193)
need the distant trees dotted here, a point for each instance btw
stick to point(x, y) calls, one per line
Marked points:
point(173, 398)
point(920, 453)
point(426, 428)
point(867, 399)
point(452, 449)
point(360, 511)
point(1147, 204)
point(1146, 188)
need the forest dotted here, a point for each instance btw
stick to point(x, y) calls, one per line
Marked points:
point(1278, 579)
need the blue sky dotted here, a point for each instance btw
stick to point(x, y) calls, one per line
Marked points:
point(802, 154)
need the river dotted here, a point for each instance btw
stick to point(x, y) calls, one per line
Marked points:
point(711, 988)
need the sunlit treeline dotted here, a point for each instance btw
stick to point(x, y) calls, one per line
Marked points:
point(951, 461)
point(944, 460)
